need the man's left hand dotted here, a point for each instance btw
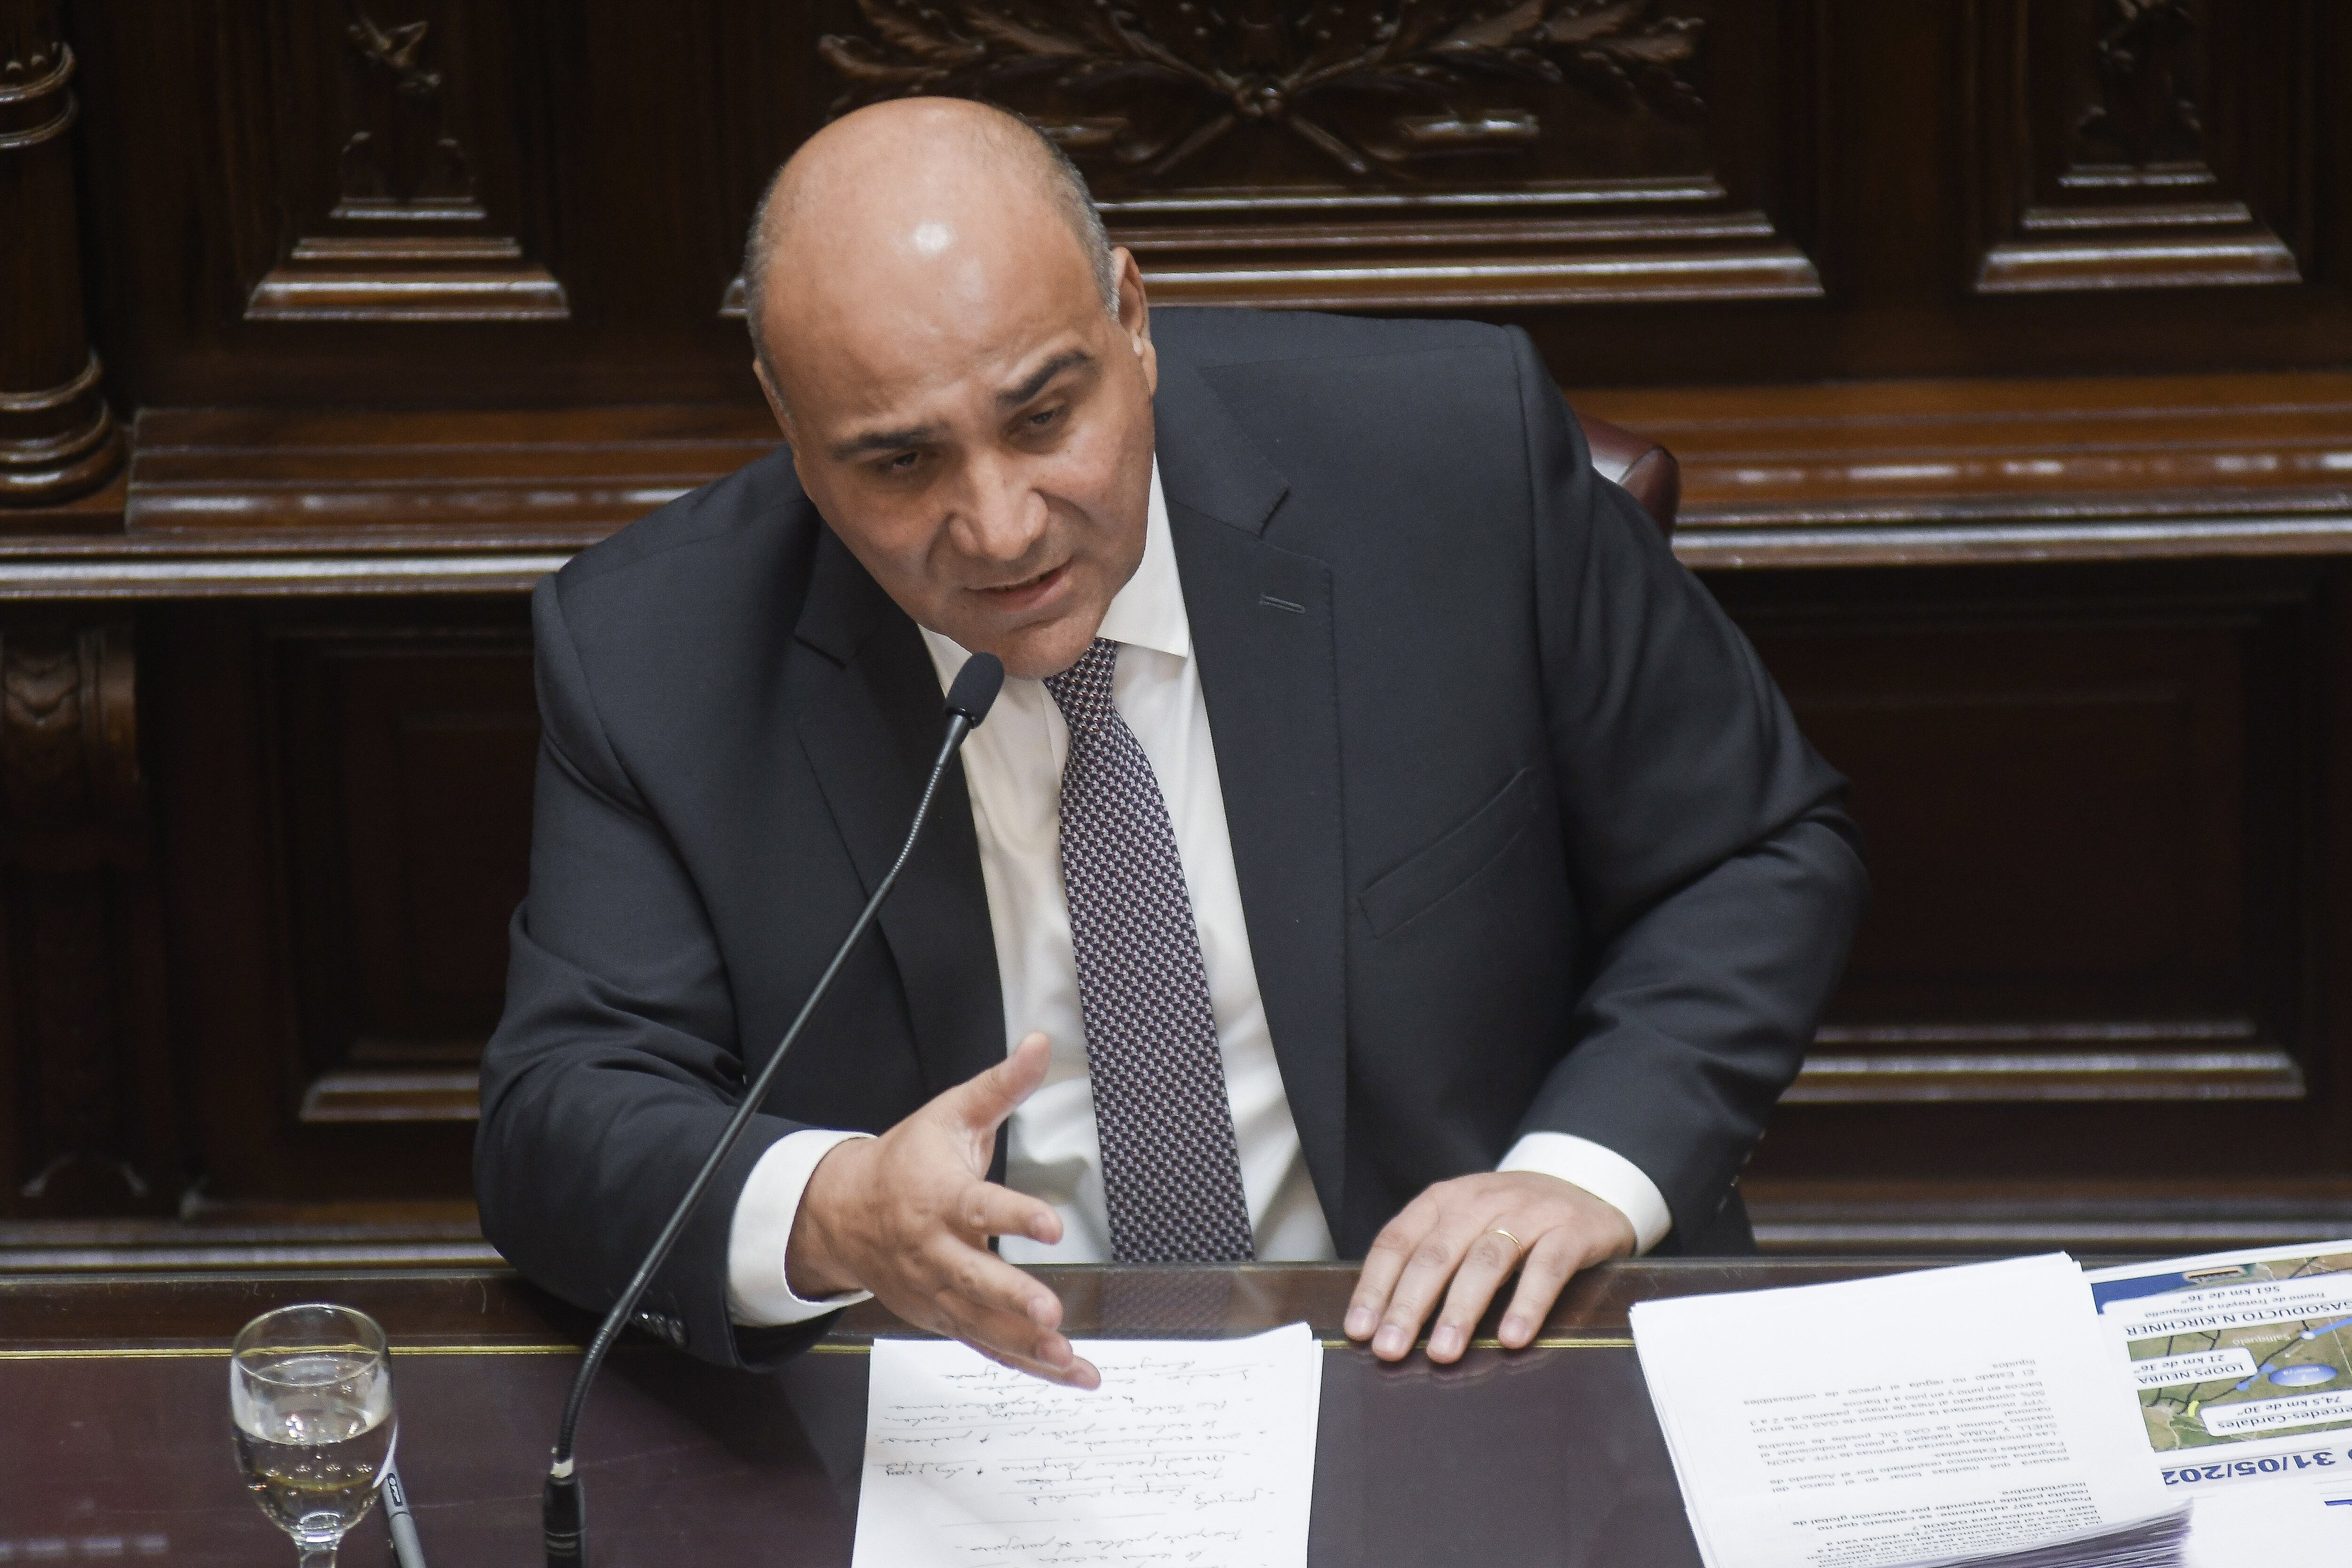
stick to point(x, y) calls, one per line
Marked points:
point(1450, 1242)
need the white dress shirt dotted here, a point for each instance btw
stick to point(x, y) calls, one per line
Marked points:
point(1013, 766)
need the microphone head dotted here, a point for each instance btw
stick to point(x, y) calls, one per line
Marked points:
point(976, 686)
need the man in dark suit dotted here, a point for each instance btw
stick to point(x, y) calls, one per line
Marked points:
point(1382, 847)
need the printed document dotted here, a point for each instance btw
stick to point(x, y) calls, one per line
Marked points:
point(1192, 1451)
point(2242, 1364)
point(1948, 1414)
point(2294, 1523)
point(2241, 1361)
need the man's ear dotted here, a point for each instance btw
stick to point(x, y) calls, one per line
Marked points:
point(1135, 315)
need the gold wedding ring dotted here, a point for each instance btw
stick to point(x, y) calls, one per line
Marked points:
point(1519, 1247)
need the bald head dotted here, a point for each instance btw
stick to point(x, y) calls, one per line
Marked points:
point(951, 139)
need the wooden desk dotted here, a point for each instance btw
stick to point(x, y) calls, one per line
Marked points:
point(114, 1423)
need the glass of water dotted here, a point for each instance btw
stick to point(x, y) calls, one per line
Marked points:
point(310, 1391)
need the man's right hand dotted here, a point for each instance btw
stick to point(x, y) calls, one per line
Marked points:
point(907, 1214)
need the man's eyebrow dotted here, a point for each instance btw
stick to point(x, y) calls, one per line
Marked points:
point(878, 441)
point(875, 442)
point(1014, 397)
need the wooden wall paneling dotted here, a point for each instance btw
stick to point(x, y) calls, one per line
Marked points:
point(167, 208)
point(232, 1020)
point(405, 758)
point(2331, 162)
point(257, 501)
point(521, 477)
point(81, 1004)
point(59, 439)
point(768, 91)
point(404, 161)
point(2134, 764)
point(2143, 1215)
point(1443, 157)
point(605, 112)
point(2139, 144)
point(260, 501)
point(647, 127)
point(244, 503)
point(2095, 1003)
point(255, 738)
point(643, 134)
point(1970, 472)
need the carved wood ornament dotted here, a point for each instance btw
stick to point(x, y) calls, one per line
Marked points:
point(405, 236)
point(1437, 154)
point(2111, 147)
point(1373, 89)
point(72, 846)
point(405, 155)
point(68, 727)
point(2146, 112)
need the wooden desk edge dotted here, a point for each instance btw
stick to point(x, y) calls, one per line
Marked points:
point(493, 1312)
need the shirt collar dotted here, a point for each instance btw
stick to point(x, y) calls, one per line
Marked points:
point(1148, 612)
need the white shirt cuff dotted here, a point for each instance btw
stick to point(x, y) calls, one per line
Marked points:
point(1604, 1173)
point(757, 1296)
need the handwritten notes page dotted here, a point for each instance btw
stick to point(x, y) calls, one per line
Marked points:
point(1192, 1452)
point(1952, 1413)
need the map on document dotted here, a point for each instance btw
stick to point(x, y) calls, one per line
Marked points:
point(2242, 1360)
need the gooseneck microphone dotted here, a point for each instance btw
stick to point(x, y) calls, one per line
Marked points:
point(563, 1502)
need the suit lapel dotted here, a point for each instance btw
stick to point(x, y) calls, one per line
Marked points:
point(1261, 622)
point(870, 721)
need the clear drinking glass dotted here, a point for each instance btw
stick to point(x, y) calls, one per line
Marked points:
point(310, 1391)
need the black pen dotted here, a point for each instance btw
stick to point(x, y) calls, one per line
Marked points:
point(404, 1545)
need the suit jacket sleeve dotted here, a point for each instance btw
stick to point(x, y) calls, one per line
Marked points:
point(1719, 874)
point(615, 1064)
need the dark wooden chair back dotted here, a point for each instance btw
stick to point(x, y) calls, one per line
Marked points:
point(1647, 471)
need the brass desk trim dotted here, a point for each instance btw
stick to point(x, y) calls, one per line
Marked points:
point(194, 1352)
point(191, 1352)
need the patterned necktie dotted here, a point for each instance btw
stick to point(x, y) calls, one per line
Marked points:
point(1171, 1171)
